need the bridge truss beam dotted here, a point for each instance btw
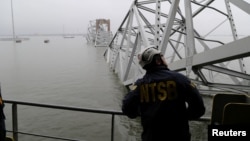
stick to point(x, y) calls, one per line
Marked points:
point(189, 33)
point(98, 33)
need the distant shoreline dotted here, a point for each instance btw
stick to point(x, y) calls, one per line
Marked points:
point(21, 35)
point(11, 39)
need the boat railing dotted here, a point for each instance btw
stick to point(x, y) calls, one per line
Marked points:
point(15, 130)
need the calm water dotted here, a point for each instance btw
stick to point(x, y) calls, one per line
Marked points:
point(65, 71)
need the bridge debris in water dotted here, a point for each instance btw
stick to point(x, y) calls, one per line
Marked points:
point(200, 39)
point(99, 33)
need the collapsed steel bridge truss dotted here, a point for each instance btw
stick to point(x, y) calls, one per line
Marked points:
point(199, 38)
point(98, 33)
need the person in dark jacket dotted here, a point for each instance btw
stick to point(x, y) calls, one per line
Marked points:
point(2, 120)
point(165, 100)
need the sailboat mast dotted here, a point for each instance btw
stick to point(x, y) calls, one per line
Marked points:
point(13, 25)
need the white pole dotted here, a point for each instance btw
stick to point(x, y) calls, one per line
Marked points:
point(13, 25)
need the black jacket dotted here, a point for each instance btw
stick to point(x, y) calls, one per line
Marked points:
point(2, 116)
point(165, 100)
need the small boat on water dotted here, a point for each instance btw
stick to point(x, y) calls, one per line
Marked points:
point(46, 41)
point(18, 41)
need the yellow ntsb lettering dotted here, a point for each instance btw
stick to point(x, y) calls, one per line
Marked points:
point(160, 91)
point(152, 88)
point(144, 93)
point(171, 87)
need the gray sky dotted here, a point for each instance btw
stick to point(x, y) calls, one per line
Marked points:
point(52, 16)
point(73, 16)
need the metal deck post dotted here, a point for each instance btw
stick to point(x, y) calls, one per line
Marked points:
point(14, 121)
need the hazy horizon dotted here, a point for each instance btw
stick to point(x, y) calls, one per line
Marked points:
point(59, 16)
point(39, 17)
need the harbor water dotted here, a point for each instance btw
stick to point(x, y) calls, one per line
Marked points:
point(68, 72)
point(63, 71)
